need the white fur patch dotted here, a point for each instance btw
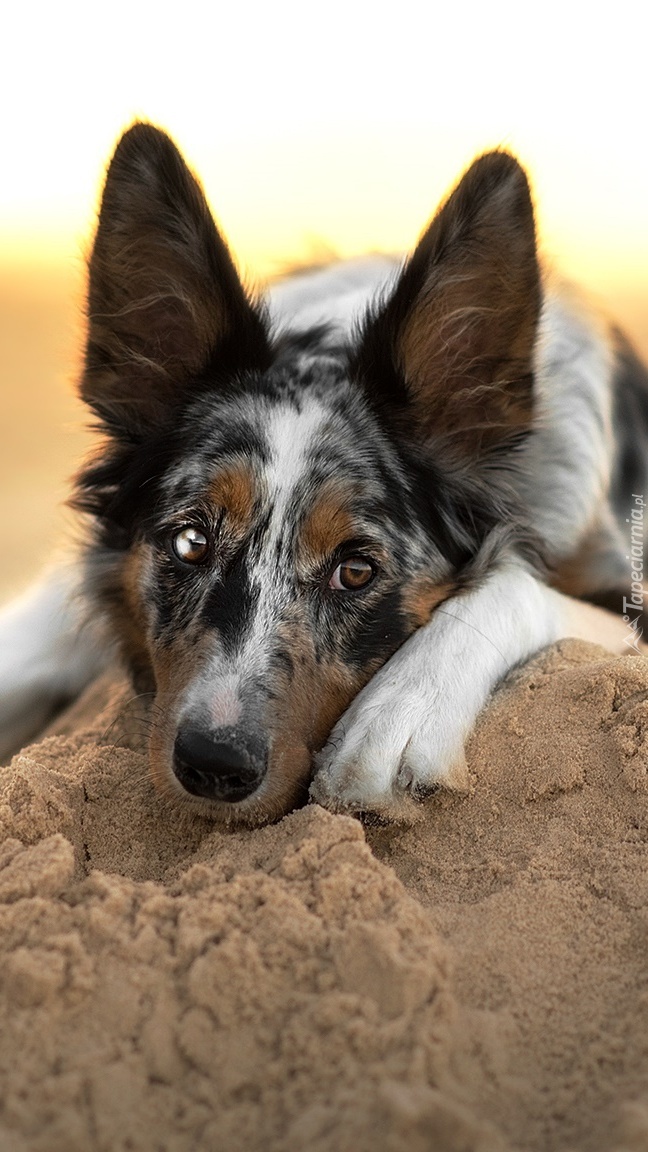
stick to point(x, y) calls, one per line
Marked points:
point(48, 653)
point(336, 296)
point(564, 467)
point(226, 708)
point(290, 435)
point(214, 695)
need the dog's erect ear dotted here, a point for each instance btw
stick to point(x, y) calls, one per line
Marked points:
point(449, 355)
point(164, 298)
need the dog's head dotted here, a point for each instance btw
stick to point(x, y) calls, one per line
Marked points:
point(276, 515)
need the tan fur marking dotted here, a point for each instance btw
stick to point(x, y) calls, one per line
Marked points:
point(315, 698)
point(422, 596)
point(328, 524)
point(132, 572)
point(234, 489)
point(129, 612)
point(594, 565)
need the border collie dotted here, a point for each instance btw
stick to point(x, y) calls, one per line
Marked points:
point(325, 526)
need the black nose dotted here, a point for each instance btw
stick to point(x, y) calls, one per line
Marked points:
point(216, 767)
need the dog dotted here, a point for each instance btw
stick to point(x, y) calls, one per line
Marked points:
point(324, 527)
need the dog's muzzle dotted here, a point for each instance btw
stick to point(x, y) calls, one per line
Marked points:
point(222, 765)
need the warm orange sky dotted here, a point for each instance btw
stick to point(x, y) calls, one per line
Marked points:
point(340, 124)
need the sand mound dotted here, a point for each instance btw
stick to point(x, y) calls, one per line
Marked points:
point(474, 980)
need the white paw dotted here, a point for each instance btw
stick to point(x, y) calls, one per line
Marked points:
point(406, 730)
point(395, 739)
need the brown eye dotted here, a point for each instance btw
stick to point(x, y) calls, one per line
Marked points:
point(351, 574)
point(190, 545)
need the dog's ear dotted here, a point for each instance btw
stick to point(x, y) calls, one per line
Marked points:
point(448, 357)
point(164, 300)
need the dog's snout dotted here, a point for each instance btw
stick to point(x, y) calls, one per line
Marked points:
point(217, 765)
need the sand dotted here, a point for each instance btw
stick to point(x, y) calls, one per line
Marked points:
point(473, 980)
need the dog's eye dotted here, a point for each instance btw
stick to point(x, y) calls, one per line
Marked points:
point(190, 545)
point(353, 573)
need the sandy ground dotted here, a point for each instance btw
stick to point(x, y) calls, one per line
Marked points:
point(476, 979)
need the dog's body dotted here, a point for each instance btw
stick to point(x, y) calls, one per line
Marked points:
point(322, 534)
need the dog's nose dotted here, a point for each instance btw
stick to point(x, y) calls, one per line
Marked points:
point(213, 766)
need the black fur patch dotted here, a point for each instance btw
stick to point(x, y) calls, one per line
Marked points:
point(231, 603)
point(381, 631)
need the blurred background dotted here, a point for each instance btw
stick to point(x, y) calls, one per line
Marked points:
point(317, 130)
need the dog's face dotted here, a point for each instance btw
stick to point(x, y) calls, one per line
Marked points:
point(274, 517)
point(279, 568)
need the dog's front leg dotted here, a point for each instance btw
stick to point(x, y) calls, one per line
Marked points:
point(406, 730)
point(47, 655)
